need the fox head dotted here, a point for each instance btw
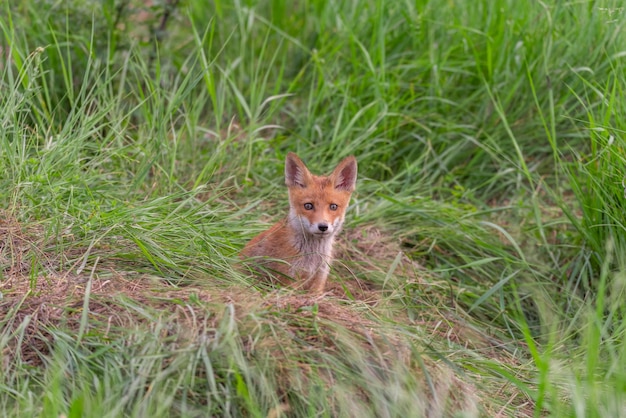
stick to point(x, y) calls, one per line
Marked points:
point(318, 203)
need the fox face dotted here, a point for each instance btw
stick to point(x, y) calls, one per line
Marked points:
point(318, 204)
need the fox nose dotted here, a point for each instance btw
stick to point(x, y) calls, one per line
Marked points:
point(322, 227)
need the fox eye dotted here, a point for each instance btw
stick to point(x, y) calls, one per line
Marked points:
point(333, 206)
point(308, 206)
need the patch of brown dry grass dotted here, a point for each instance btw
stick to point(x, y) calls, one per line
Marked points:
point(354, 310)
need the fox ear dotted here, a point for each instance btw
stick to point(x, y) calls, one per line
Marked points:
point(296, 173)
point(344, 176)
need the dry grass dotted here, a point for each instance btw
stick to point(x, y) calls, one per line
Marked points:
point(357, 313)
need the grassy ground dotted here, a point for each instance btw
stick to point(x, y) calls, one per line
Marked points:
point(482, 269)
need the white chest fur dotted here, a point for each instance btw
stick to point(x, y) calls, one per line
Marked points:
point(315, 255)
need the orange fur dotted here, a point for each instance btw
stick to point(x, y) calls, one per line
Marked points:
point(299, 249)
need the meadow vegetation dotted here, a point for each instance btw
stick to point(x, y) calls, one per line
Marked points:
point(482, 269)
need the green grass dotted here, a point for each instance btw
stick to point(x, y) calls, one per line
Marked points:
point(481, 271)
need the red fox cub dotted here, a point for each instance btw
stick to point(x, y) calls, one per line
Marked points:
point(299, 249)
